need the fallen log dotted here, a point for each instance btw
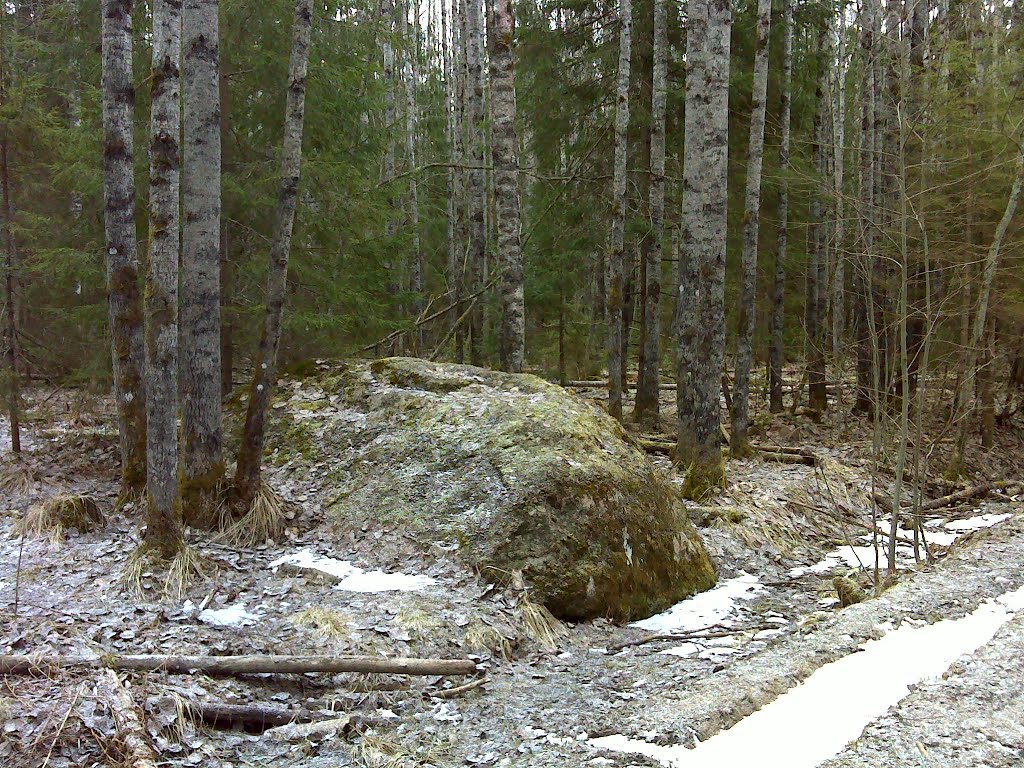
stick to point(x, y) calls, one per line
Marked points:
point(240, 665)
point(657, 446)
point(790, 458)
point(251, 716)
point(136, 747)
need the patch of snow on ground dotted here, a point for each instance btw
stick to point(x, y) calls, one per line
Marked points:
point(232, 616)
point(977, 522)
point(352, 578)
point(818, 718)
point(715, 606)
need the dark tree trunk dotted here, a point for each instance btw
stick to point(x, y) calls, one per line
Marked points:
point(250, 456)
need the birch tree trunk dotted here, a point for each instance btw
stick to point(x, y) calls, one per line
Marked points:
point(775, 353)
point(648, 389)
point(163, 529)
point(202, 463)
point(477, 175)
point(505, 152)
point(617, 252)
point(250, 455)
point(740, 442)
point(705, 220)
point(124, 301)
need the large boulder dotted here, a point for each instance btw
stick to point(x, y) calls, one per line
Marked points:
point(519, 474)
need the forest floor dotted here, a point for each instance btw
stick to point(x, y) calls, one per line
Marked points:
point(601, 696)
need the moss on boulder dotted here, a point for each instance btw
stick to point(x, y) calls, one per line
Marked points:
point(520, 475)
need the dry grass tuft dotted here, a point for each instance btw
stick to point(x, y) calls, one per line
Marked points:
point(186, 567)
point(263, 521)
point(17, 479)
point(415, 619)
point(539, 625)
point(481, 636)
point(55, 516)
point(330, 625)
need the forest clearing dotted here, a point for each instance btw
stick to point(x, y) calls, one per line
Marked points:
point(439, 383)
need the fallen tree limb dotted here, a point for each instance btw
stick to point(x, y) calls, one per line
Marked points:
point(322, 728)
point(451, 693)
point(952, 499)
point(240, 665)
point(707, 633)
point(137, 751)
point(657, 446)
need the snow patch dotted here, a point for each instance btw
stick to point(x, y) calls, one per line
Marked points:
point(715, 606)
point(818, 718)
point(977, 522)
point(232, 616)
point(352, 578)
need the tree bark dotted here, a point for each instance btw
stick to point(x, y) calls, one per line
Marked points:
point(250, 455)
point(705, 221)
point(124, 301)
point(617, 253)
point(12, 335)
point(477, 175)
point(740, 442)
point(163, 530)
point(505, 152)
point(202, 462)
point(411, 123)
point(227, 330)
point(647, 402)
point(776, 352)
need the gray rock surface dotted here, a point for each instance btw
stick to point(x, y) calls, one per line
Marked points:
point(515, 473)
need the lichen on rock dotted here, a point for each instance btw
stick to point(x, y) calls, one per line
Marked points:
point(516, 472)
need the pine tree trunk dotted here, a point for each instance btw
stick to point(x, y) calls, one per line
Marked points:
point(505, 151)
point(617, 253)
point(250, 456)
point(459, 246)
point(202, 462)
point(648, 382)
point(776, 351)
point(477, 175)
point(123, 297)
point(740, 443)
point(163, 530)
point(389, 11)
point(838, 286)
point(705, 220)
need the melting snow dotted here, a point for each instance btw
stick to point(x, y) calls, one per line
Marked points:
point(941, 533)
point(706, 609)
point(818, 718)
point(232, 616)
point(352, 578)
